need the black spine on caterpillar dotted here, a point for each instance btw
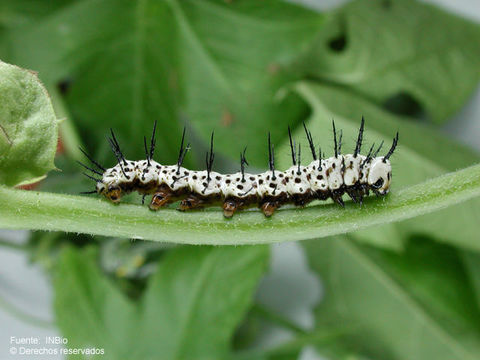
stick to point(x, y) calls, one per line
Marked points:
point(210, 156)
point(243, 162)
point(183, 151)
point(323, 178)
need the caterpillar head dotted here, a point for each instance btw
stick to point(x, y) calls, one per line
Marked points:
point(380, 176)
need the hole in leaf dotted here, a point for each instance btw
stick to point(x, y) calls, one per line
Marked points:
point(338, 43)
point(403, 103)
point(64, 85)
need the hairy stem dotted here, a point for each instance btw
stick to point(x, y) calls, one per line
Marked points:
point(21, 209)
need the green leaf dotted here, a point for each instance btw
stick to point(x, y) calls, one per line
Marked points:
point(46, 211)
point(417, 305)
point(189, 311)
point(292, 349)
point(197, 299)
point(220, 64)
point(471, 262)
point(400, 47)
point(19, 12)
point(28, 127)
point(89, 309)
point(423, 153)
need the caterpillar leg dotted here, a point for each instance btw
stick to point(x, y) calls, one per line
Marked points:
point(233, 204)
point(363, 191)
point(337, 197)
point(269, 207)
point(354, 195)
point(230, 205)
point(191, 202)
point(160, 199)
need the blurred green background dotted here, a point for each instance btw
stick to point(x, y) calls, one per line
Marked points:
point(408, 290)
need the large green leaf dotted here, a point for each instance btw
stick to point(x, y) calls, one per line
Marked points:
point(385, 48)
point(417, 305)
point(423, 153)
point(28, 127)
point(46, 211)
point(190, 309)
point(131, 62)
point(472, 266)
point(197, 299)
point(20, 12)
point(90, 311)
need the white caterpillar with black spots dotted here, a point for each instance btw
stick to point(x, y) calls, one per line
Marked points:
point(353, 174)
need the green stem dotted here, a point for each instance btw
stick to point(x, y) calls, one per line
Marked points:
point(34, 210)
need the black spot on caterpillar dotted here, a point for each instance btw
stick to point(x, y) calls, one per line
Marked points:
point(323, 178)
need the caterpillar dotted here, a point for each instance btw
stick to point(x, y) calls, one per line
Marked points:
point(352, 174)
